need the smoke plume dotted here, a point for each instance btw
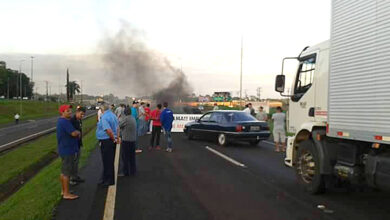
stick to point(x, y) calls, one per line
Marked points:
point(138, 70)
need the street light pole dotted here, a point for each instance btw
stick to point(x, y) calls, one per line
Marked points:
point(32, 77)
point(241, 73)
point(20, 86)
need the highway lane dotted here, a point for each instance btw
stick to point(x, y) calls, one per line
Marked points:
point(196, 183)
point(15, 132)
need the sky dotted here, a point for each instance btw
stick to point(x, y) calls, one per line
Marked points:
point(202, 37)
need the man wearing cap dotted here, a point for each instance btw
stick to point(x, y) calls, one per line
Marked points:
point(107, 133)
point(77, 123)
point(67, 141)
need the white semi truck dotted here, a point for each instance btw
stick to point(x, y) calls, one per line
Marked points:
point(339, 106)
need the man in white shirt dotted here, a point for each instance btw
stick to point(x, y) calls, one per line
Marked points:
point(261, 115)
point(247, 108)
point(279, 131)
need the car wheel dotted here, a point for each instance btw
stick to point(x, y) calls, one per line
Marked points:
point(222, 140)
point(308, 168)
point(254, 143)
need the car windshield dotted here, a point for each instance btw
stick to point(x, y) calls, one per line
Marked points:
point(239, 116)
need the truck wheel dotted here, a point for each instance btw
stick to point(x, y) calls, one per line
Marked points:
point(308, 168)
point(222, 140)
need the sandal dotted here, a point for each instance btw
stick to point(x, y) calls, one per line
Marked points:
point(71, 197)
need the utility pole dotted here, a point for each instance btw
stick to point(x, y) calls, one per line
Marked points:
point(32, 65)
point(8, 88)
point(241, 72)
point(67, 85)
point(47, 90)
point(20, 86)
point(258, 90)
point(32, 77)
point(81, 89)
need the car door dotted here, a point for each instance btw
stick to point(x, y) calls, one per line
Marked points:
point(201, 126)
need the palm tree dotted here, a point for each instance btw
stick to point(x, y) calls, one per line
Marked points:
point(73, 87)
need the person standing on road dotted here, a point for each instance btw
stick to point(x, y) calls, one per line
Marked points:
point(107, 133)
point(156, 128)
point(77, 123)
point(141, 119)
point(119, 111)
point(17, 116)
point(128, 128)
point(166, 118)
point(247, 109)
point(99, 114)
point(279, 131)
point(67, 142)
point(134, 113)
point(147, 118)
point(261, 115)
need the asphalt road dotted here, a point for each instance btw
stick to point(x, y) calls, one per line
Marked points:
point(195, 183)
point(15, 132)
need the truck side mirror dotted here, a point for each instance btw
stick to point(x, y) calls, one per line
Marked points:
point(279, 83)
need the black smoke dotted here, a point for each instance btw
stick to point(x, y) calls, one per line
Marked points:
point(138, 70)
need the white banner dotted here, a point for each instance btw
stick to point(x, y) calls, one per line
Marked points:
point(181, 120)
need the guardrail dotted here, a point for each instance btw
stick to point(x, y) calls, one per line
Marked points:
point(12, 144)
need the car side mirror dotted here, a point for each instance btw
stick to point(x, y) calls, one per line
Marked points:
point(197, 120)
point(279, 83)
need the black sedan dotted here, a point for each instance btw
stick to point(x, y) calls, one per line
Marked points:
point(227, 126)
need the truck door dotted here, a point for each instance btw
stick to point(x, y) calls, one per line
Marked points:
point(302, 93)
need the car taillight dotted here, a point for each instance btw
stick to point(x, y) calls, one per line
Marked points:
point(266, 128)
point(239, 128)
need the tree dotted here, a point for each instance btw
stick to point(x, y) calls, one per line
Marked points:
point(73, 87)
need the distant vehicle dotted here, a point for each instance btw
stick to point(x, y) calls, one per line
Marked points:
point(227, 126)
point(2, 97)
point(25, 98)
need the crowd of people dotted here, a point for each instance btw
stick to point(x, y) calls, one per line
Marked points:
point(123, 126)
point(279, 122)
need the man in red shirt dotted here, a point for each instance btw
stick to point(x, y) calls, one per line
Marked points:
point(147, 118)
point(156, 129)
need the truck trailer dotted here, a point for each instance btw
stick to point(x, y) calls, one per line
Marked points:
point(339, 105)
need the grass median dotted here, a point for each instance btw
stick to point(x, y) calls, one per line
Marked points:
point(30, 110)
point(41, 194)
point(23, 158)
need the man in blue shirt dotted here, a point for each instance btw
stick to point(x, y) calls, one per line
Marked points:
point(107, 133)
point(135, 114)
point(166, 119)
point(67, 141)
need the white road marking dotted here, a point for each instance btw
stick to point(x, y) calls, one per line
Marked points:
point(26, 138)
point(226, 157)
point(111, 193)
point(7, 145)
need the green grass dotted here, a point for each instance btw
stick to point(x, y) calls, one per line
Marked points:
point(30, 110)
point(37, 199)
point(21, 159)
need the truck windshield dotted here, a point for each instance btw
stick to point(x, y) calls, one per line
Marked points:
point(305, 76)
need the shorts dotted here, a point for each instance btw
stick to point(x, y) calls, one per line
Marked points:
point(279, 136)
point(69, 165)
